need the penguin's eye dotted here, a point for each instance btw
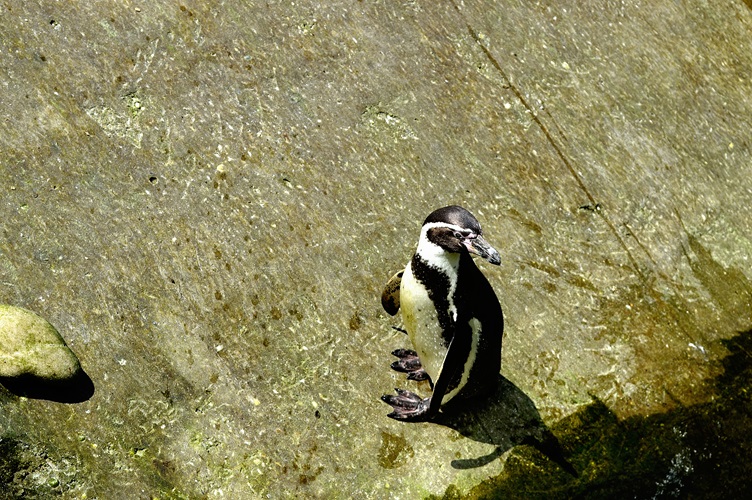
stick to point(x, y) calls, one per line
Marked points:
point(463, 235)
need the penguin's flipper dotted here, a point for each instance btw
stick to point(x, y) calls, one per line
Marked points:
point(390, 298)
point(407, 406)
point(453, 361)
point(409, 363)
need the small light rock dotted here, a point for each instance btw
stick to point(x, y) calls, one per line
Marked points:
point(29, 345)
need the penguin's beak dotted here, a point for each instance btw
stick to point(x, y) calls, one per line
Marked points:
point(479, 246)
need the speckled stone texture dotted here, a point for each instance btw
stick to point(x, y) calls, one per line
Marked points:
point(208, 198)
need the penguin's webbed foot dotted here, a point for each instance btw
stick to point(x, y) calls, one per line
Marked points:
point(408, 406)
point(409, 363)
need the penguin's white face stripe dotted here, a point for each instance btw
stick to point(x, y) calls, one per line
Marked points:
point(438, 258)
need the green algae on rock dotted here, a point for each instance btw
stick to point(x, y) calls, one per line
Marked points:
point(31, 346)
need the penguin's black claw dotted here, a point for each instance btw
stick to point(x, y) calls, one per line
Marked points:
point(406, 353)
point(417, 375)
point(409, 363)
point(407, 406)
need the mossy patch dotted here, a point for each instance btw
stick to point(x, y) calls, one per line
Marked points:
point(394, 451)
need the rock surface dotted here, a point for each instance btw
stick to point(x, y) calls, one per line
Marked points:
point(30, 346)
point(209, 198)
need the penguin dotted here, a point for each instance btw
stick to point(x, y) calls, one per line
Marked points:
point(450, 313)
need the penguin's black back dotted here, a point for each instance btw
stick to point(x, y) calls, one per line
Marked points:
point(475, 298)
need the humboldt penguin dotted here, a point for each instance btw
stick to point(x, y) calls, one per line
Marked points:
point(450, 313)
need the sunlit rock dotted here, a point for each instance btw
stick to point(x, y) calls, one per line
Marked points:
point(31, 346)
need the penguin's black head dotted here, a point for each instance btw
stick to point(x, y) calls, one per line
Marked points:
point(456, 230)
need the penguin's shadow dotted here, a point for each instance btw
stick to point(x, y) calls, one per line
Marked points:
point(506, 418)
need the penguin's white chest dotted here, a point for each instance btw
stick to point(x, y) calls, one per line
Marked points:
point(422, 324)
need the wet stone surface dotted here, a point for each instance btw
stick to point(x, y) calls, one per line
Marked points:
point(208, 201)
